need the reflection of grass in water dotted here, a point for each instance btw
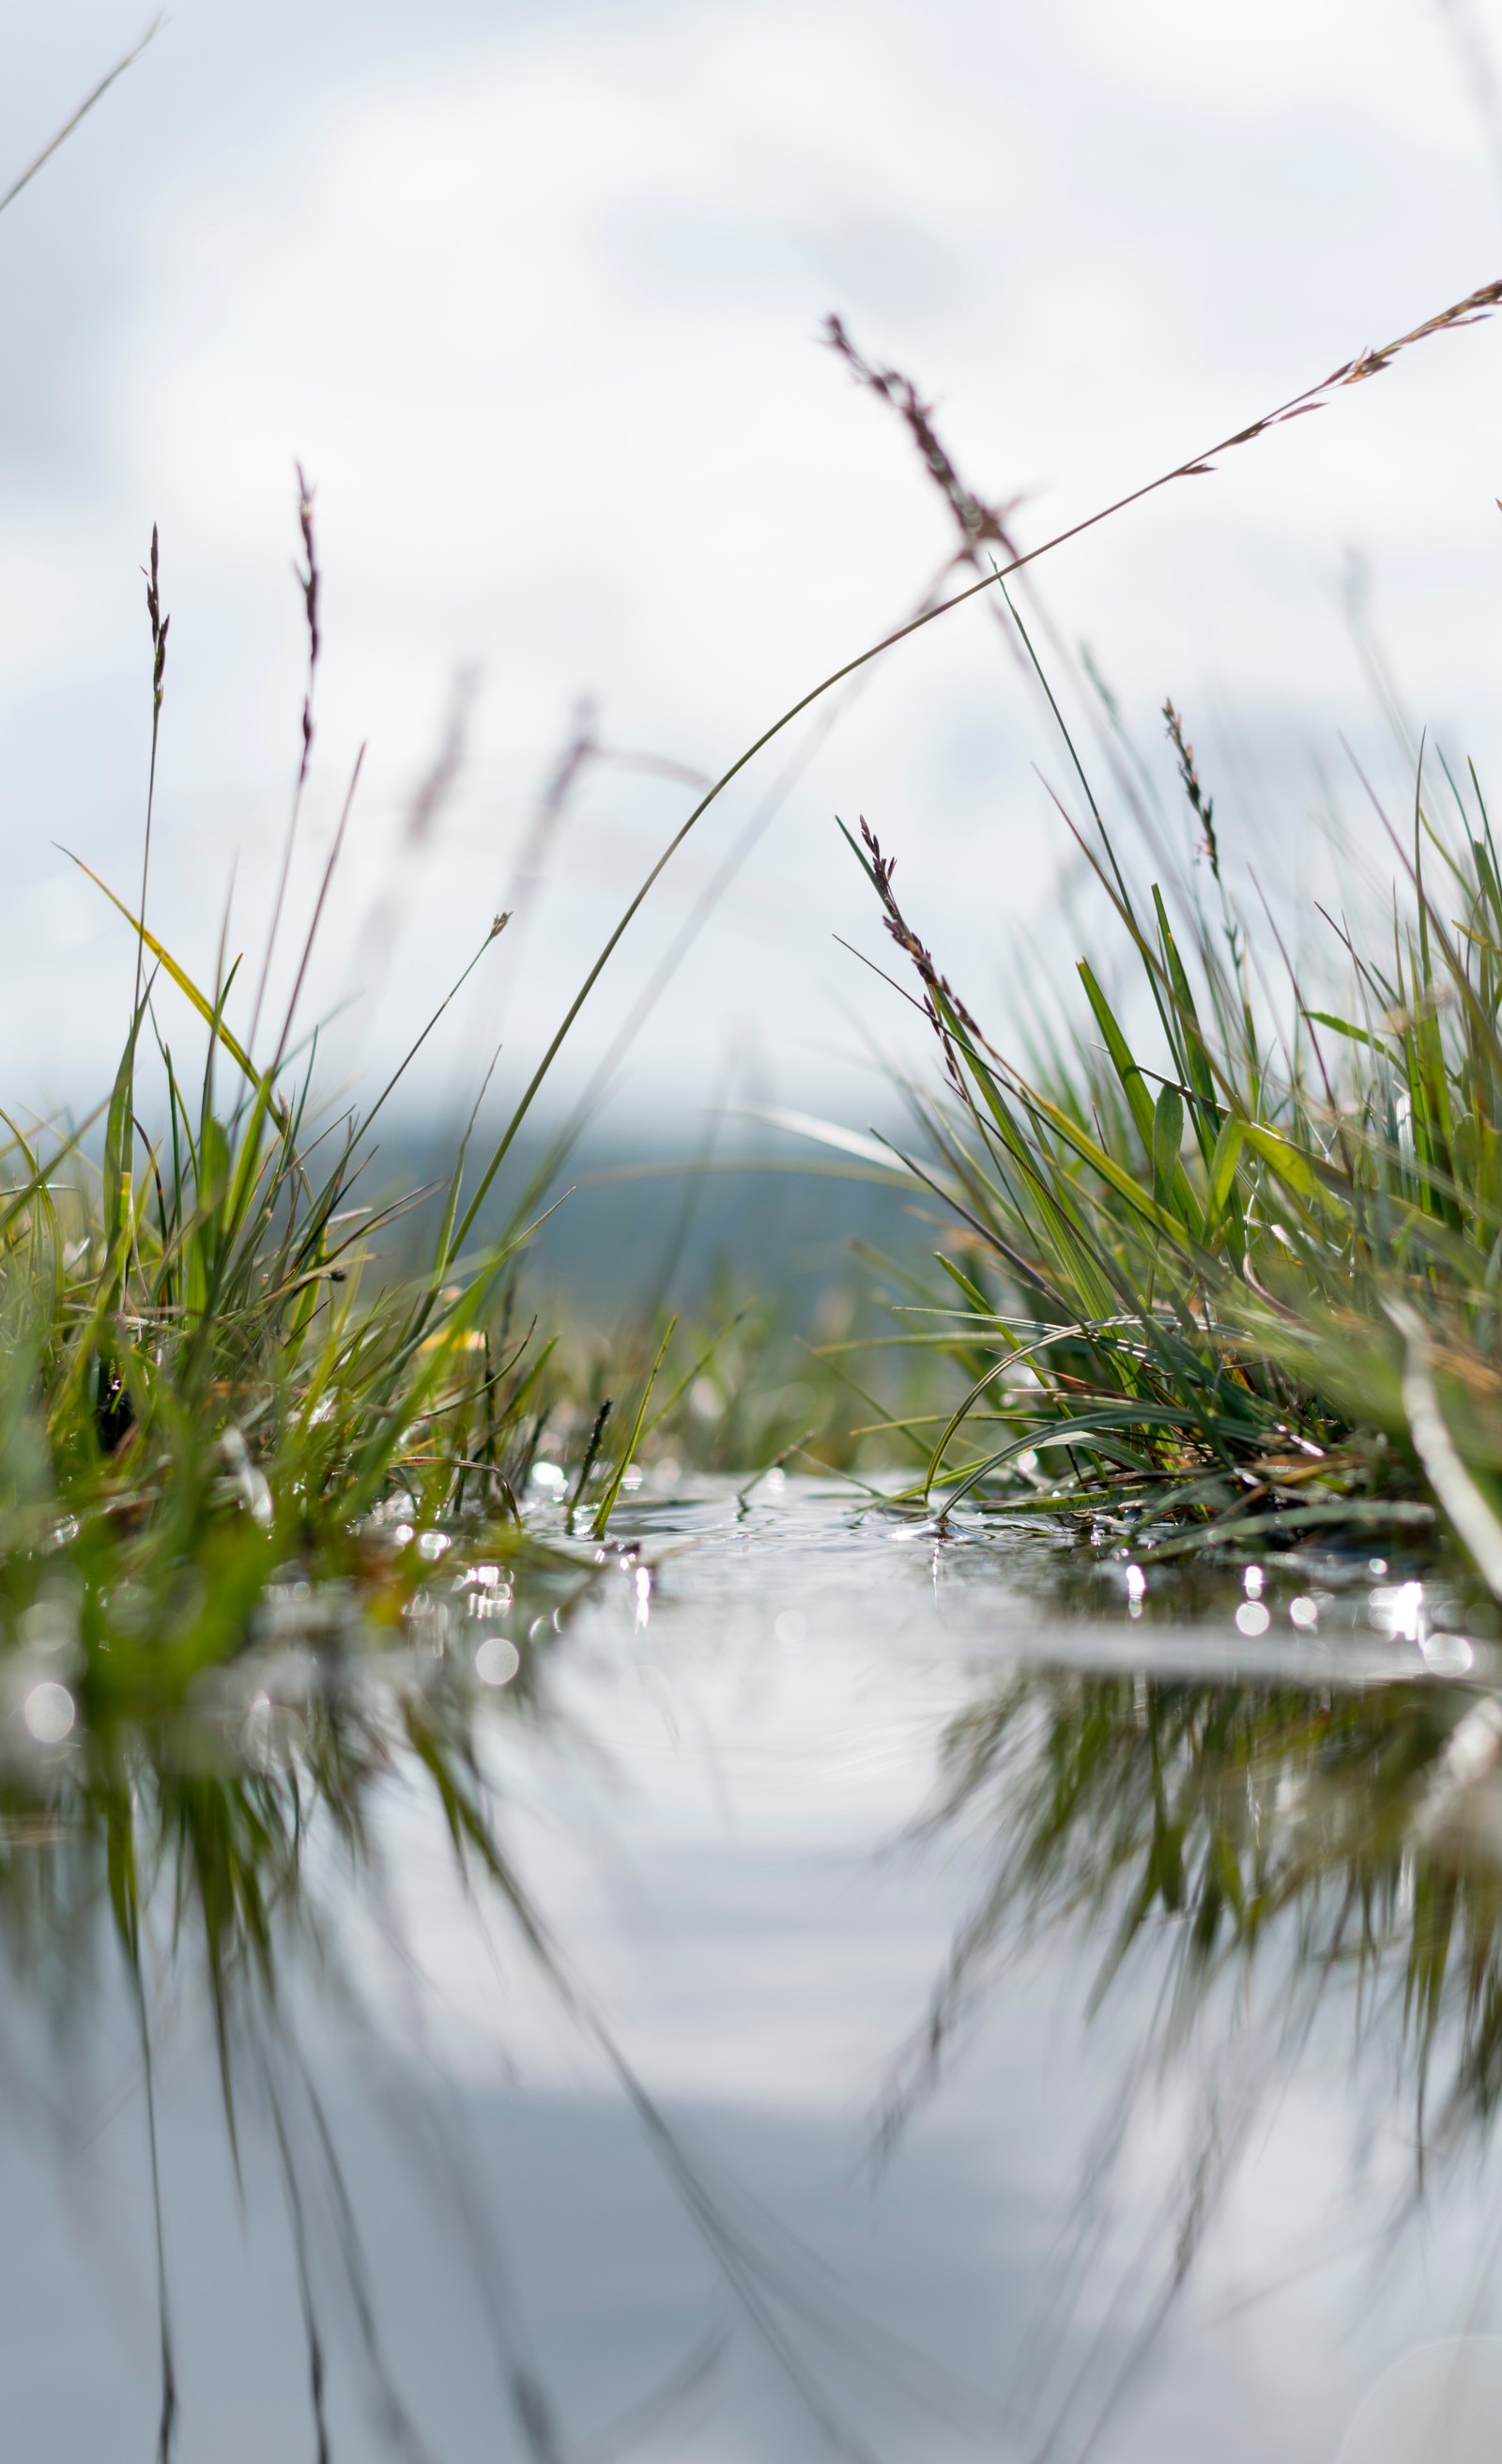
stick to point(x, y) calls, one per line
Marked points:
point(1254, 1855)
point(200, 1829)
point(1207, 1823)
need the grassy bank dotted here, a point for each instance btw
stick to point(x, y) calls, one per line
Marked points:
point(1231, 1275)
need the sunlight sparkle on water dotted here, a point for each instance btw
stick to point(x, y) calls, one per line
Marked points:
point(1398, 1609)
point(497, 1660)
point(49, 1712)
point(1448, 1655)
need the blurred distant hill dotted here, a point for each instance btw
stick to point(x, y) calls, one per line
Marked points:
point(638, 1221)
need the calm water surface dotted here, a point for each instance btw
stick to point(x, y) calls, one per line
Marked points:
point(975, 2006)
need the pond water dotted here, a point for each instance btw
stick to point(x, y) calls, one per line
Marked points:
point(944, 2000)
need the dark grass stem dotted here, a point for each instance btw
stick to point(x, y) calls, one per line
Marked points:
point(159, 662)
point(309, 583)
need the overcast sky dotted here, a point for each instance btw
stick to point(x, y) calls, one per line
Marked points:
point(535, 294)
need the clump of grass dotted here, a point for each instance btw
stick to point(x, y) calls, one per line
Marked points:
point(200, 1388)
point(1238, 1283)
point(239, 1472)
point(1242, 1287)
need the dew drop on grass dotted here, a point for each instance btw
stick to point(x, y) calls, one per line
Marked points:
point(1252, 1618)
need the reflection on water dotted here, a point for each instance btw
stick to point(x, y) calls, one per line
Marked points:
point(913, 1996)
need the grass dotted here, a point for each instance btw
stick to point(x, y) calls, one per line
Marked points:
point(1223, 1259)
point(1232, 1274)
point(1242, 1283)
point(210, 1398)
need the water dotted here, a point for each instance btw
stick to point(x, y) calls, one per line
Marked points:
point(942, 2001)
